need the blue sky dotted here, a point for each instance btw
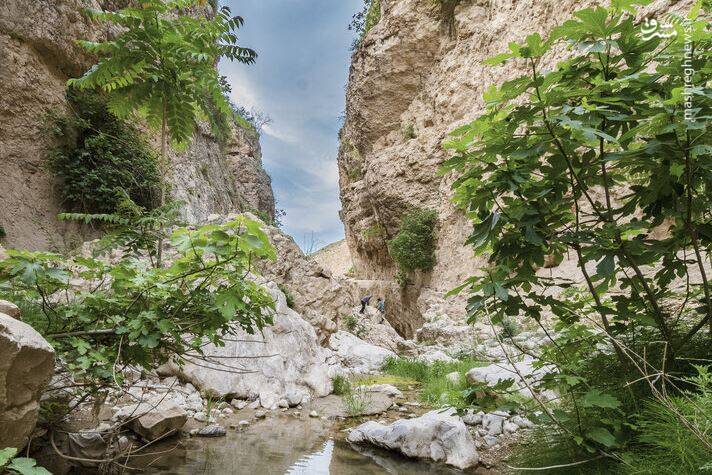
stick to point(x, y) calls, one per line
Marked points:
point(298, 80)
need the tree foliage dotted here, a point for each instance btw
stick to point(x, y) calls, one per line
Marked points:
point(11, 463)
point(162, 64)
point(364, 20)
point(99, 155)
point(608, 158)
point(103, 313)
point(414, 245)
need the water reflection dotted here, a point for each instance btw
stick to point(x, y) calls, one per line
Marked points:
point(314, 464)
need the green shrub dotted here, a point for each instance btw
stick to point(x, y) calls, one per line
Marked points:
point(543, 447)
point(364, 20)
point(409, 132)
point(374, 231)
point(354, 161)
point(279, 214)
point(353, 325)
point(414, 245)
point(675, 434)
point(356, 401)
point(536, 175)
point(100, 154)
point(163, 310)
point(355, 172)
point(342, 385)
point(3, 234)
point(288, 295)
point(402, 278)
point(350, 322)
point(664, 442)
point(510, 328)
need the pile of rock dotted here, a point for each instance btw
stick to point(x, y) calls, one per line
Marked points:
point(372, 327)
point(355, 355)
point(523, 343)
point(488, 428)
point(153, 418)
point(284, 362)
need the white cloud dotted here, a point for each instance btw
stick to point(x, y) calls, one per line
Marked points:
point(280, 134)
point(243, 93)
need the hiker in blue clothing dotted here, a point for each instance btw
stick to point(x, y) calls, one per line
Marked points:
point(364, 303)
point(381, 305)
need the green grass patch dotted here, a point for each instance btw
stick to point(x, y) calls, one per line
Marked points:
point(435, 389)
point(675, 434)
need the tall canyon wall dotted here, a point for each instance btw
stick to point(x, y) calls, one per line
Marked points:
point(37, 55)
point(417, 75)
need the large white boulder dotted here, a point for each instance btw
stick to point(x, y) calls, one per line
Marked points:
point(356, 355)
point(26, 366)
point(284, 360)
point(433, 355)
point(154, 418)
point(438, 436)
point(519, 372)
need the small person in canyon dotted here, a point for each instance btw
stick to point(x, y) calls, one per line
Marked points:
point(364, 303)
point(381, 305)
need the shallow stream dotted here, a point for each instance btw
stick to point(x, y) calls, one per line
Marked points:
point(284, 445)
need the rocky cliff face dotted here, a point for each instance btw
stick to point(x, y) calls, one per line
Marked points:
point(417, 75)
point(37, 56)
point(211, 177)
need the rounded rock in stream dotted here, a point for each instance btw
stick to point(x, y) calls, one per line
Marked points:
point(438, 435)
point(213, 430)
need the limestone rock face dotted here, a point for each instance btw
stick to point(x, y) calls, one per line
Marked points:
point(26, 366)
point(210, 177)
point(335, 258)
point(323, 298)
point(284, 361)
point(319, 297)
point(438, 436)
point(412, 81)
point(38, 54)
point(356, 355)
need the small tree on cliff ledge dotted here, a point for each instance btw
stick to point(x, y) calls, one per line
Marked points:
point(162, 65)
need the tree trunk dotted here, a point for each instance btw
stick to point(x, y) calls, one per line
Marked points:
point(163, 171)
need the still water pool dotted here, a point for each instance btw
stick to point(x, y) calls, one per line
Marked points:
point(283, 445)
